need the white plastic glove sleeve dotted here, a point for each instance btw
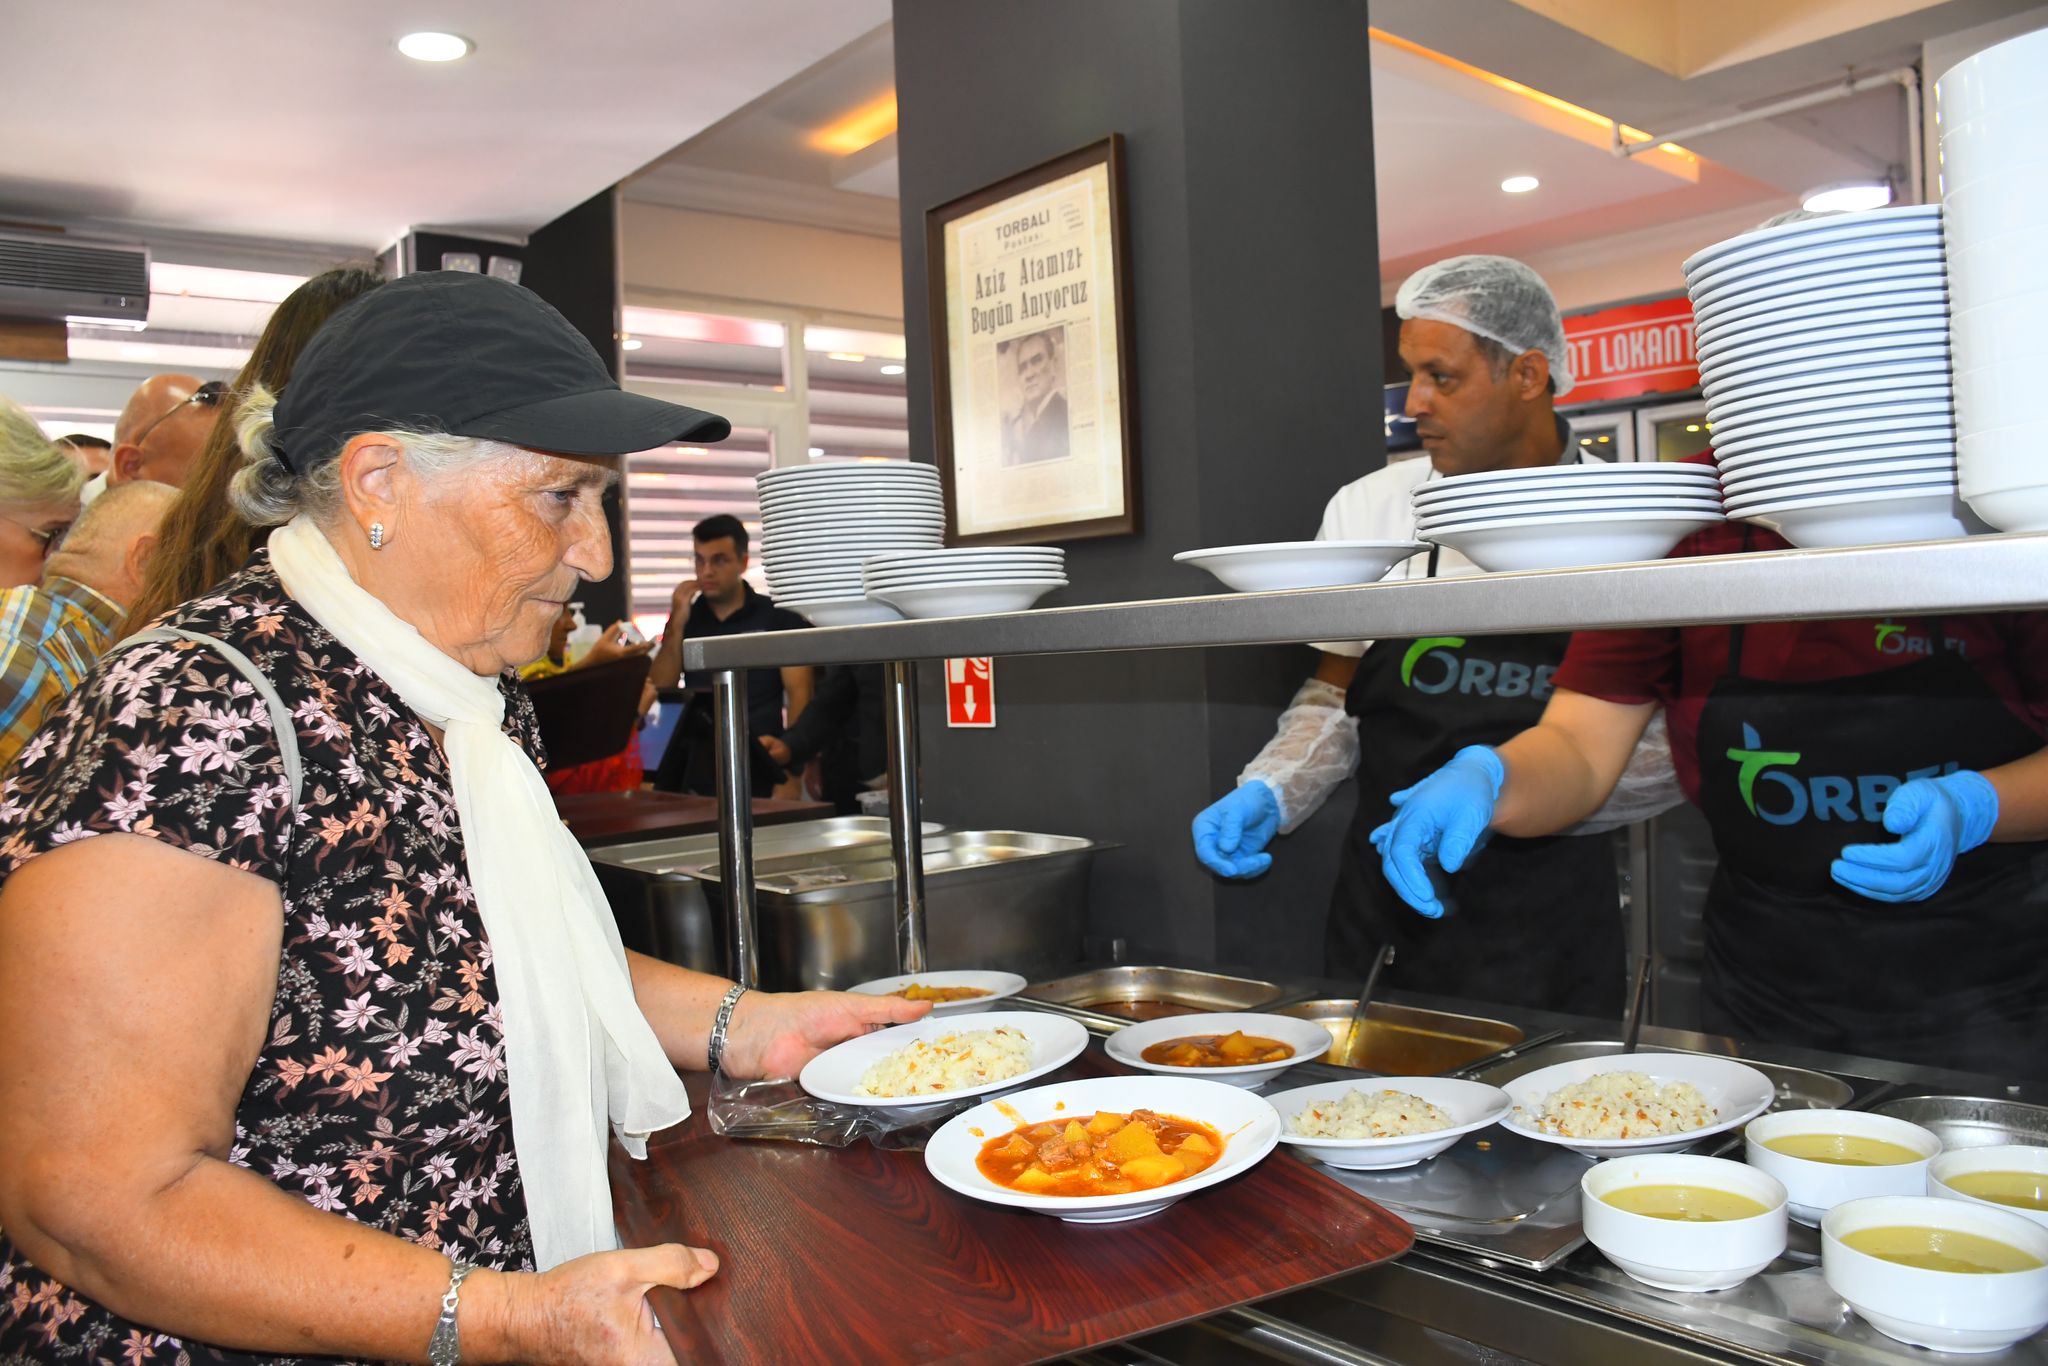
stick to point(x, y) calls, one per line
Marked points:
point(1313, 749)
point(1647, 787)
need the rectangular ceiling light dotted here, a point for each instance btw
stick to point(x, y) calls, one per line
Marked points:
point(865, 126)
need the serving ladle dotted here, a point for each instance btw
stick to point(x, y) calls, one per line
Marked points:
point(1372, 981)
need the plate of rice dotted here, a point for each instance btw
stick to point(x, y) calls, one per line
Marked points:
point(1636, 1102)
point(937, 1060)
point(1379, 1123)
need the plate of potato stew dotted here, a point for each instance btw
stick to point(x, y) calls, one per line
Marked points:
point(1105, 1148)
point(1239, 1048)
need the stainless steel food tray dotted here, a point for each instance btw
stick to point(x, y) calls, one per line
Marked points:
point(1109, 996)
point(1514, 1199)
point(1401, 1040)
point(1971, 1121)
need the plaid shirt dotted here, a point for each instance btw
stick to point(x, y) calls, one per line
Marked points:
point(50, 634)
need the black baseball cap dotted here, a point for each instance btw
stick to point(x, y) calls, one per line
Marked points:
point(471, 355)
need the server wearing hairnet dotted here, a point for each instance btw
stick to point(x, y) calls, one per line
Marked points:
point(1537, 922)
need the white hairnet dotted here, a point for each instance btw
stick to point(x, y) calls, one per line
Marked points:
point(1493, 297)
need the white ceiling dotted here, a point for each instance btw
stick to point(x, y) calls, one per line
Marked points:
point(300, 121)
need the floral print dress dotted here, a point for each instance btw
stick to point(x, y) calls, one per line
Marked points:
point(380, 1094)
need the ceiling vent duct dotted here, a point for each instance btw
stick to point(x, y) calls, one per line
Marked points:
point(68, 278)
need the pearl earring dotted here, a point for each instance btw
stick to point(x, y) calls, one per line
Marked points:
point(376, 535)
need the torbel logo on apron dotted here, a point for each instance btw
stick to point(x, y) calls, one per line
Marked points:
point(1431, 665)
point(1774, 794)
point(1894, 639)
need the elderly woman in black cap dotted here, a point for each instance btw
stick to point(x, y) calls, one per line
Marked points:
point(314, 1023)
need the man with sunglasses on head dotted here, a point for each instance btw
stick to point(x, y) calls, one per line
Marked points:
point(161, 432)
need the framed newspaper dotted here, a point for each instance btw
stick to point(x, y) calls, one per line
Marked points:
point(1031, 354)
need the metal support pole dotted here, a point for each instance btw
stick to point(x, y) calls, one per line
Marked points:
point(906, 817)
point(736, 824)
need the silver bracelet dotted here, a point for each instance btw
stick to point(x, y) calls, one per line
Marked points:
point(714, 1051)
point(446, 1347)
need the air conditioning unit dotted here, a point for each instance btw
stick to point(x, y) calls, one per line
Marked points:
point(54, 278)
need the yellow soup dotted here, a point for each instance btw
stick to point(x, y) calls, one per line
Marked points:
point(2022, 1190)
point(1689, 1204)
point(1941, 1249)
point(1844, 1150)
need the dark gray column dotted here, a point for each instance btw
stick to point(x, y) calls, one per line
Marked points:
point(1256, 336)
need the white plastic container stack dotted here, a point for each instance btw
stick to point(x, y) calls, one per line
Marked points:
point(1993, 113)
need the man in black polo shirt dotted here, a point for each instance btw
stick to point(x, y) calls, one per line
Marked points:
point(725, 605)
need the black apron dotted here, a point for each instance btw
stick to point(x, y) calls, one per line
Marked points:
point(1533, 922)
point(1792, 772)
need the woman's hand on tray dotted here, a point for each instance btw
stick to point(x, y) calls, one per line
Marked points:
point(775, 1033)
point(590, 1310)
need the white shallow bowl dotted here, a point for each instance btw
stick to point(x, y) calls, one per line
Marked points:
point(1817, 302)
point(1249, 1126)
point(840, 471)
point(1884, 276)
point(1862, 373)
point(1930, 329)
point(1870, 438)
point(1899, 239)
point(1767, 492)
point(1812, 231)
point(832, 1075)
point(1879, 263)
point(998, 985)
point(1814, 1188)
point(1812, 401)
point(842, 611)
point(1844, 310)
point(966, 600)
point(1998, 1157)
point(1791, 360)
point(1737, 1091)
point(1275, 565)
point(1673, 1254)
point(1470, 1104)
point(1308, 1039)
point(1595, 491)
point(1500, 547)
point(1560, 509)
point(1738, 462)
point(1938, 1309)
point(846, 501)
point(1663, 476)
point(1877, 517)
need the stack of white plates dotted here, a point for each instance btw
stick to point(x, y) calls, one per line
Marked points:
point(818, 522)
point(1994, 170)
point(1824, 357)
point(1556, 516)
point(967, 581)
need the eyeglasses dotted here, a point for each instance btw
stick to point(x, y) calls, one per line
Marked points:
point(208, 395)
point(47, 538)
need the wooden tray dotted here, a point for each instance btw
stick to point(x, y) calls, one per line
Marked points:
point(857, 1255)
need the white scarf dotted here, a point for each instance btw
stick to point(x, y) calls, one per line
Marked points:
point(577, 1048)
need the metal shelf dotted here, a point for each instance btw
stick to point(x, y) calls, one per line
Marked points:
point(1975, 574)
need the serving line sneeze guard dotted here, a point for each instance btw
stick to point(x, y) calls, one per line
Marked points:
point(1978, 573)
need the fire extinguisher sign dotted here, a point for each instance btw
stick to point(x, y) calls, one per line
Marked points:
point(971, 692)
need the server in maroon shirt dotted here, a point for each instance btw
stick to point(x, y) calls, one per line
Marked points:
point(1878, 794)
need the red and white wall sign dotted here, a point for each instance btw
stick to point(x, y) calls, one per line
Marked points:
point(971, 692)
point(1631, 351)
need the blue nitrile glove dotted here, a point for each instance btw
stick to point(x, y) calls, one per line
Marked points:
point(1231, 834)
point(1936, 820)
point(1444, 816)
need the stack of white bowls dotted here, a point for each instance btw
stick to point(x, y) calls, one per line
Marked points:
point(1993, 110)
point(967, 581)
point(818, 522)
point(1824, 358)
point(1556, 516)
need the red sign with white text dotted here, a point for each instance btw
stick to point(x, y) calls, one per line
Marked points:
point(971, 692)
point(1631, 351)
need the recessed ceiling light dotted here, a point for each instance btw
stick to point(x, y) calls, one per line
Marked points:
point(435, 47)
point(1519, 184)
point(1851, 198)
point(892, 369)
point(817, 451)
point(631, 344)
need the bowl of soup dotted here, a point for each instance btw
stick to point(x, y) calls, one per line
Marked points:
point(1952, 1275)
point(2010, 1176)
point(1681, 1222)
point(1240, 1048)
point(1827, 1156)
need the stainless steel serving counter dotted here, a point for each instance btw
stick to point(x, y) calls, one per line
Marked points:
point(1524, 1287)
